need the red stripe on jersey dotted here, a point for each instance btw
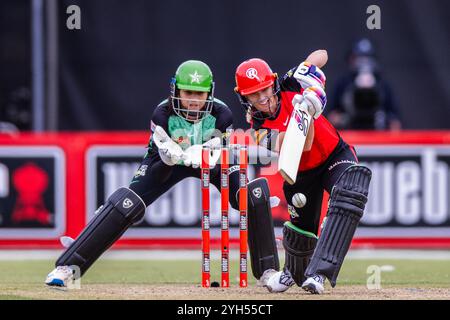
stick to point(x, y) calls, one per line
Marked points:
point(352, 149)
point(325, 140)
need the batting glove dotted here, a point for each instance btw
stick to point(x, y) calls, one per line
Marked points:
point(309, 75)
point(315, 98)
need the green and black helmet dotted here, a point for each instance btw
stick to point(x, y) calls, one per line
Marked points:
point(192, 75)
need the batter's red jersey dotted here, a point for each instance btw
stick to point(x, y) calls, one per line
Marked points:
point(326, 137)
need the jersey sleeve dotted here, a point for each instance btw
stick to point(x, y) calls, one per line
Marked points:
point(289, 83)
point(265, 138)
point(224, 120)
point(160, 117)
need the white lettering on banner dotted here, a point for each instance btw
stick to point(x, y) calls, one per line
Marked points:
point(215, 213)
point(379, 209)
point(159, 212)
point(408, 192)
point(181, 205)
point(435, 188)
point(117, 175)
point(408, 195)
point(184, 200)
point(408, 186)
point(4, 181)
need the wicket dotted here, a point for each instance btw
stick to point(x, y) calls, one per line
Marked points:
point(225, 238)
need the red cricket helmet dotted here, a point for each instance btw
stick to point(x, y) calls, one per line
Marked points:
point(253, 75)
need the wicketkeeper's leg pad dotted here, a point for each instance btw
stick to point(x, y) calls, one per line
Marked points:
point(122, 209)
point(261, 234)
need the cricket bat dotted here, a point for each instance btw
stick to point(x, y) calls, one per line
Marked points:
point(294, 142)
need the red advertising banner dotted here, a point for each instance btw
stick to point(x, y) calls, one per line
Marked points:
point(51, 185)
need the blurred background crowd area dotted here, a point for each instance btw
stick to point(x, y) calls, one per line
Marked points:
point(111, 73)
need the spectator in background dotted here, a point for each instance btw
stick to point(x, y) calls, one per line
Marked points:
point(15, 112)
point(5, 127)
point(363, 100)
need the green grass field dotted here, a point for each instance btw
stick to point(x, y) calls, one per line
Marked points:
point(154, 279)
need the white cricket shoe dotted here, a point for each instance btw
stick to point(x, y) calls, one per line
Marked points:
point(280, 281)
point(59, 277)
point(262, 282)
point(314, 284)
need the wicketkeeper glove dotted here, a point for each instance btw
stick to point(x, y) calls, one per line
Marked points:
point(193, 155)
point(169, 151)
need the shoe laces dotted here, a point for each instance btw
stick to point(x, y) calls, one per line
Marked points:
point(319, 278)
point(286, 278)
point(64, 269)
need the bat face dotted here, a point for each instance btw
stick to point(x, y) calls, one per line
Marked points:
point(302, 119)
point(294, 143)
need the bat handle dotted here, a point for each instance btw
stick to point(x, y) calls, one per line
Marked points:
point(303, 106)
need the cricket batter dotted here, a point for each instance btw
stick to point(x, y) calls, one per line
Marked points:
point(190, 118)
point(327, 163)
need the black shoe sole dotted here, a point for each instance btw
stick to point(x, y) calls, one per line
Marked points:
point(310, 288)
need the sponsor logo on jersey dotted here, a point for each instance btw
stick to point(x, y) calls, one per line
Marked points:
point(341, 162)
point(141, 171)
